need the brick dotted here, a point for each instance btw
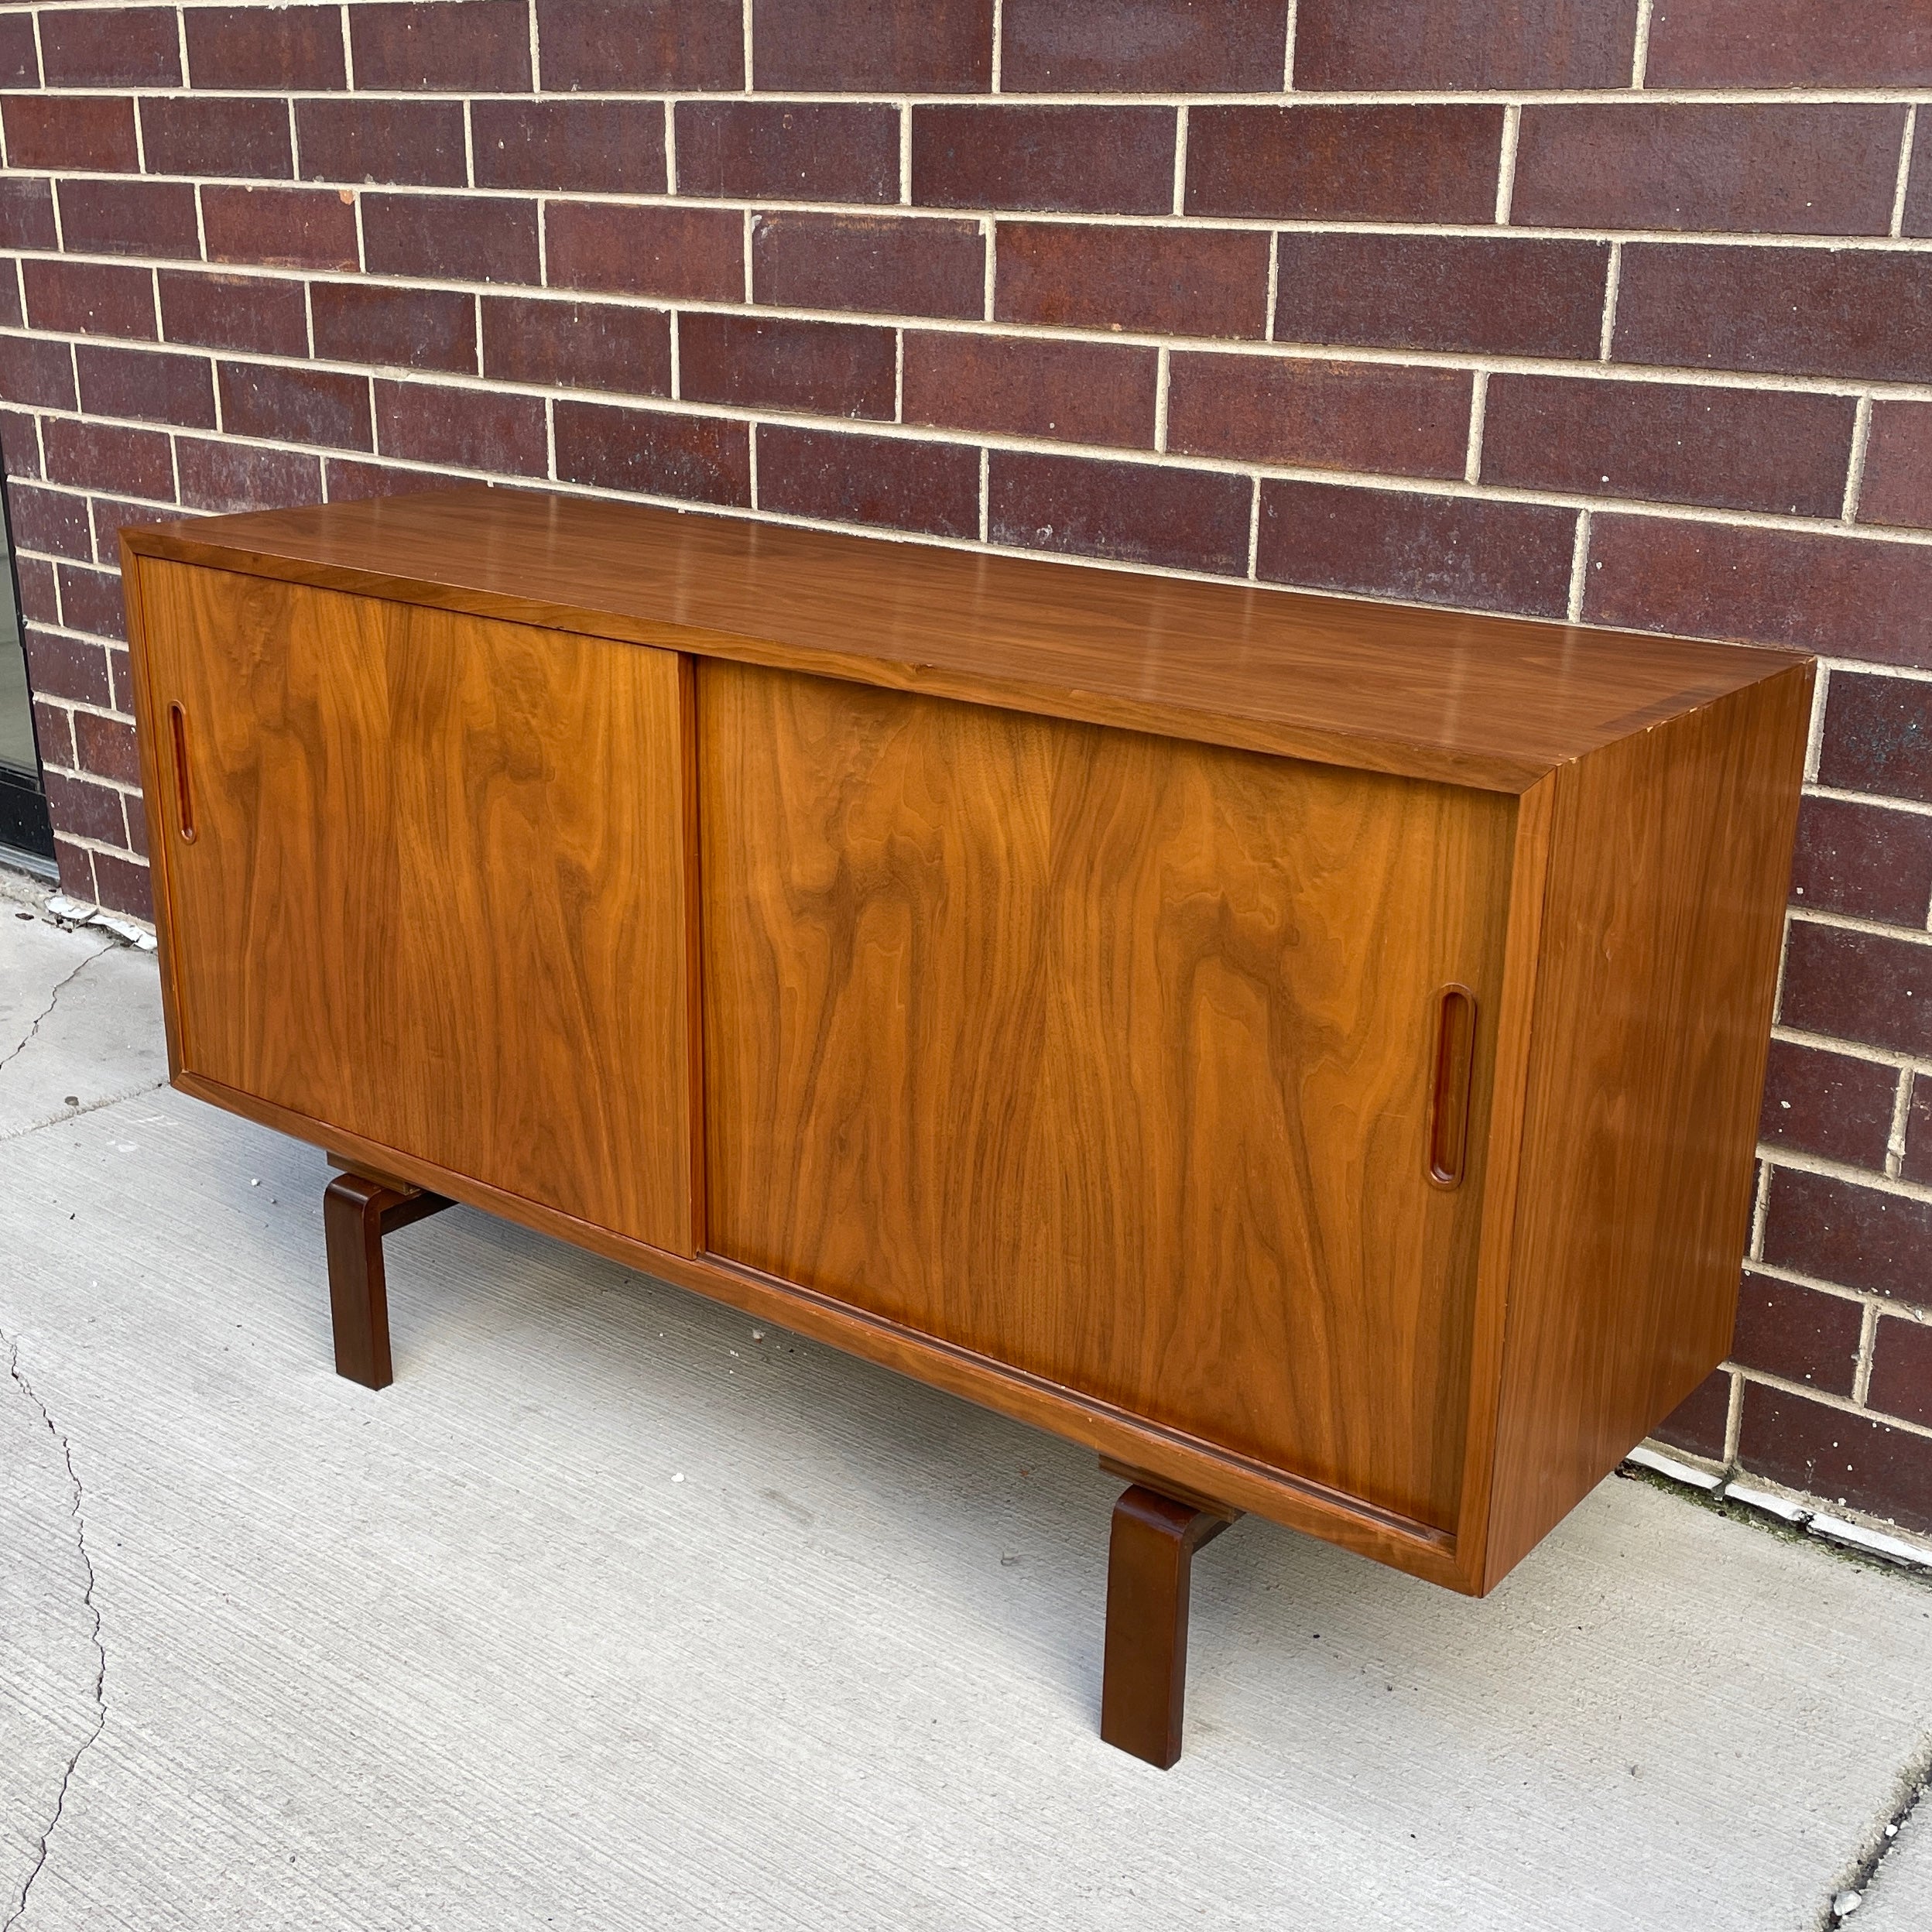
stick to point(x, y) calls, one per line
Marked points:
point(1142, 46)
point(1794, 43)
point(1896, 487)
point(1798, 311)
point(1797, 1333)
point(1471, 552)
point(1845, 597)
point(110, 47)
point(873, 46)
point(832, 369)
point(152, 386)
point(284, 228)
point(1700, 1422)
point(395, 328)
point(1828, 1104)
point(239, 476)
point(124, 886)
point(94, 134)
point(1918, 193)
point(581, 345)
point(697, 459)
point(1410, 46)
point(67, 667)
point(185, 135)
point(129, 218)
point(1354, 416)
point(111, 517)
point(234, 312)
point(1863, 861)
point(106, 746)
point(26, 214)
point(887, 481)
point(1126, 512)
point(105, 456)
point(1201, 282)
point(601, 147)
point(441, 46)
point(19, 444)
point(1669, 442)
point(1856, 1236)
point(36, 372)
point(39, 596)
point(426, 423)
point(642, 46)
point(1322, 164)
point(1079, 160)
point(1851, 1461)
point(788, 151)
point(351, 480)
point(1902, 1369)
point(697, 254)
point(80, 806)
point(275, 49)
point(283, 404)
point(1072, 391)
point(1918, 1131)
point(412, 143)
point(54, 731)
point(459, 237)
point(19, 58)
point(886, 265)
point(1509, 296)
point(135, 807)
point(1866, 987)
point(49, 520)
point(12, 315)
point(1878, 737)
point(91, 601)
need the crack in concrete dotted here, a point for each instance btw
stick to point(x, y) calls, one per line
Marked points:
point(1914, 1781)
point(87, 1598)
point(45, 1014)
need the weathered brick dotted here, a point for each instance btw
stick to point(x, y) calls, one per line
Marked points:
point(233, 312)
point(1864, 860)
point(1897, 485)
point(19, 444)
point(1797, 311)
point(123, 885)
point(1797, 1333)
point(886, 265)
point(697, 254)
point(1698, 1423)
point(49, 520)
point(441, 46)
point(1669, 442)
point(395, 328)
point(1855, 986)
point(1856, 1236)
point(283, 404)
point(1200, 282)
point(129, 218)
point(104, 455)
point(412, 143)
point(136, 811)
point(110, 47)
point(284, 227)
point(698, 459)
point(1409, 45)
point(26, 214)
point(1354, 416)
point(39, 596)
point(1918, 193)
point(1366, 163)
point(644, 47)
point(887, 481)
point(106, 746)
point(600, 147)
point(1845, 596)
point(1073, 392)
point(427, 422)
point(91, 133)
point(352, 479)
point(242, 476)
point(1918, 1131)
point(831, 368)
point(1788, 43)
point(53, 732)
point(1902, 1369)
point(67, 667)
point(1126, 512)
point(1509, 296)
point(12, 315)
point(788, 151)
point(873, 46)
point(185, 135)
point(1088, 160)
point(111, 515)
point(273, 49)
point(91, 601)
point(455, 236)
point(582, 345)
point(1857, 1463)
point(1828, 1104)
point(90, 810)
point(1878, 737)
point(19, 58)
point(1135, 46)
point(152, 386)
point(36, 371)
point(1474, 553)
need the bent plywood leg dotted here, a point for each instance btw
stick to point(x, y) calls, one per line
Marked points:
point(1144, 1681)
point(357, 1212)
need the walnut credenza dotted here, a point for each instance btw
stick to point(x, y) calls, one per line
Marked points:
point(1307, 1050)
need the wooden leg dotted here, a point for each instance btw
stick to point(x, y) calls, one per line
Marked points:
point(357, 1212)
point(1144, 1681)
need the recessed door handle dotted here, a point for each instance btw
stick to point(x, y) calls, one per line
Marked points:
point(1450, 1077)
point(183, 800)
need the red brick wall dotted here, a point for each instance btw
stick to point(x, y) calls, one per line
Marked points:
point(1621, 309)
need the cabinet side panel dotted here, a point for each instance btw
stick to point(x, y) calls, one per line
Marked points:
point(1670, 859)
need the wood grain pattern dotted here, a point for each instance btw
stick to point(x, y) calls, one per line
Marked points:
point(1669, 857)
point(1107, 1056)
point(438, 893)
point(1496, 702)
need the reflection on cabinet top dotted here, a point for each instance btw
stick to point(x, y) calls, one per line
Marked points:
point(1489, 701)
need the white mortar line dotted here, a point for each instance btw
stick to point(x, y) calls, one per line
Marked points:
point(1254, 532)
point(987, 229)
point(1845, 922)
point(1897, 225)
point(469, 148)
point(1894, 1188)
point(1640, 52)
point(744, 247)
point(1760, 1211)
point(348, 51)
point(1181, 160)
point(1862, 1370)
point(1844, 1404)
point(181, 30)
point(1611, 276)
point(899, 375)
point(750, 82)
point(1478, 407)
point(1855, 468)
point(1274, 284)
point(1579, 569)
point(1734, 1419)
point(999, 35)
point(985, 491)
point(1163, 364)
point(670, 147)
point(200, 224)
point(674, 367)
point(1814, 734)
point(1288, 52)
point(536, 69)
point(1506, 165)
point(1901, 1120)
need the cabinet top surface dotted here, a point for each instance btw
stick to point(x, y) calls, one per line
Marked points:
point(1490, 701)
